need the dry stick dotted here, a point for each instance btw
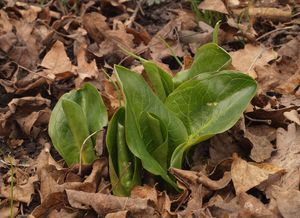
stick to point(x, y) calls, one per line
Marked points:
point(81, 149)
point(273, 31)
point(129, 22)
point(255, 60)
point(269, 122)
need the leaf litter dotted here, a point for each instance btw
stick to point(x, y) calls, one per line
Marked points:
point(251, 170)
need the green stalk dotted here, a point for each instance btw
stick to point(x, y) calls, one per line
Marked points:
point(125, 164)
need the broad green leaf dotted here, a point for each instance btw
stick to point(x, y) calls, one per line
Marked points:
point(62, 127)
point(155, 137)
point(208, 105)
point(123, 166)
point(209, 58)
point(161, 81)
point(77, 123)
point(140, 99)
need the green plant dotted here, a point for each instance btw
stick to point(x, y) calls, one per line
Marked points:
point(159, 122)
point(198, 103)
point(124, 167)
point(77, 115)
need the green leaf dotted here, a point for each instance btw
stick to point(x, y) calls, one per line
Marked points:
point(208, 105)
point(77, 115)
point(141, 99)
point(155, 136)
point(161, 81)
point(77, 123)
point(209, 58)
point(124, 170)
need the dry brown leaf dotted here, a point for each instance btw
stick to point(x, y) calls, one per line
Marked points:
point(52, 180)
point(146, 192)
point(158, 49)
point(292, 116)
point(288, 156)
point(55, 201)
point(291, 85)
point(85, 70)
point(246, 175)
point(35, 119)
point(57, 63)
point(119, 214)
point(261, 147)
point(251, 56)
point(213, 5)
point(95, 25)
point(18, 108)
point(8, 211)
point(288, 202)
point(104, 204)
point(243, 205)
point(222, 146)
point(22, 193)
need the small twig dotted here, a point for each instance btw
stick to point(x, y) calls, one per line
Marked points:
point(129, 22)
point(255, 60)
point(273, 31)
point(269, 122)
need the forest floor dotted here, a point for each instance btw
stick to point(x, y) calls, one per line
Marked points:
point(48, 48)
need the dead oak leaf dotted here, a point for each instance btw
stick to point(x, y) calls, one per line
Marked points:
point(57, 61)
point(248, 175)
point(247, 59)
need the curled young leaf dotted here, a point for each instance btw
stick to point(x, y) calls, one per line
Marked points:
point(77, 115)
point(141, 101)
point(124, 169)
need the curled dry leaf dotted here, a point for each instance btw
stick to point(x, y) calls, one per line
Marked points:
point(52, 180)
point(104, 204)
point(248, 175)
point(57, 63)
point(19, 109)
point(192, 177)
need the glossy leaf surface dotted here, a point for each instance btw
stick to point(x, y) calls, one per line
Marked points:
point(140, 100)
point(208, 105)
point(209, 58)
point(77, 115)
